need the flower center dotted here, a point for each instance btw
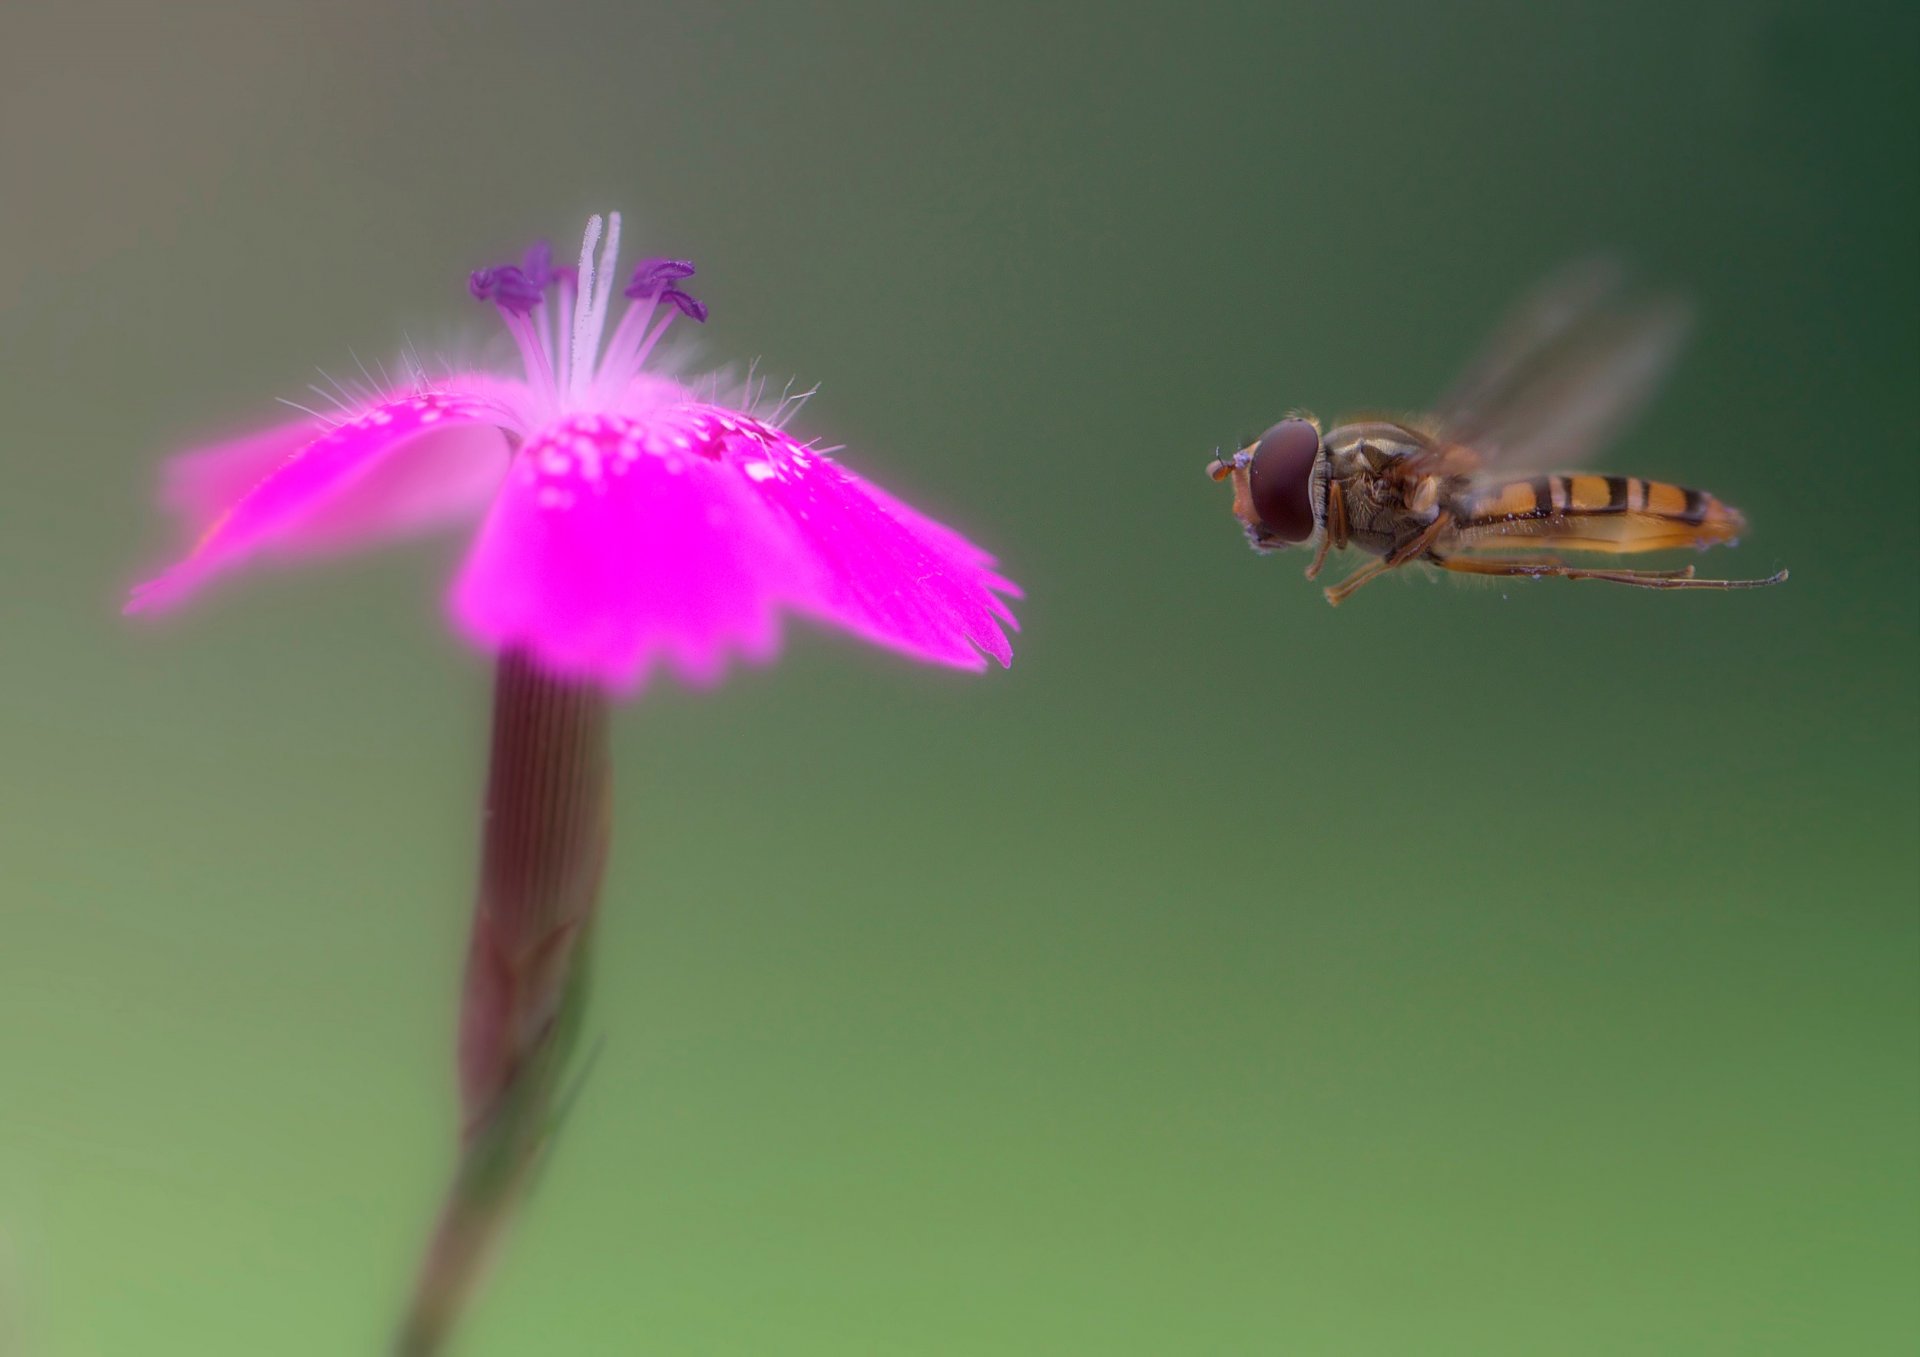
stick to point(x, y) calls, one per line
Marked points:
point(561, 344)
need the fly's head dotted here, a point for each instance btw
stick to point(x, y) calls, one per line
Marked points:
point(1273, 477)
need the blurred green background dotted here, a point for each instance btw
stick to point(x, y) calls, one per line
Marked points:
point(1471, 970)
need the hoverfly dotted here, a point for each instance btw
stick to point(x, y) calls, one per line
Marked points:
point(1473, 487)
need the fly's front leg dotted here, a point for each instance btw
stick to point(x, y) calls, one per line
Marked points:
point(1320, 554)
point(1334, 532)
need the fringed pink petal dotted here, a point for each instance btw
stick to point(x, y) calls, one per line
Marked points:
point(939, 537)
point(879, 569)
point(202, 485)
point(613, 545)
point(398, 467)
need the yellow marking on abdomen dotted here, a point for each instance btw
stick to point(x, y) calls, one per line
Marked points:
point(1598, 513)
point(1515, 500)
point(1668, 501)
point(1592, 495)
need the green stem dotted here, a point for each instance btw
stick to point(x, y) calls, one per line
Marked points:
point(544, 845)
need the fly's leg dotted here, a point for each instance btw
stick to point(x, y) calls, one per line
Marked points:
point(1419, 545)
point(1320, 554)
point(1335, 532)
point(1409, 550)
point(1545, 567)
point(1340, 592)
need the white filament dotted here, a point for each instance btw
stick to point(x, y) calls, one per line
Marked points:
point(593, 294)
point(603, 280)
point(563, 318)
point(585, 332)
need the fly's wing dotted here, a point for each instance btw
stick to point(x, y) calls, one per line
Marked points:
point(1564, 372)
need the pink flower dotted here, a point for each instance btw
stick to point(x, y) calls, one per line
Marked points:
point(627, 515)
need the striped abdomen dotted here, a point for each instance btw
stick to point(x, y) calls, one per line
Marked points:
point(1595, 513)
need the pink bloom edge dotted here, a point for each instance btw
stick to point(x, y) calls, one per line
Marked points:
point(675, 533)
point(625, 522)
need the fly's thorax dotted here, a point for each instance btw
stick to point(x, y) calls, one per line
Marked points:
point(1376, 442)
point(1382, 504)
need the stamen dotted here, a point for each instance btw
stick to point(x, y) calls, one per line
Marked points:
point(688, 304)
point(619, 364)
point(538, 264)
point(563, 326)
point(634, 338)
point(533, 353)
point(517, 288)
point(507, 286)
point(653, 337)
point(650, 274)
point(655, 279)
point(562, 348)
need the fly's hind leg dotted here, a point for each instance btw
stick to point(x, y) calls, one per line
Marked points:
point(1544, 567)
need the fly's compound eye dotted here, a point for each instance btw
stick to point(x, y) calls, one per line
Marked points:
point(1278, 477)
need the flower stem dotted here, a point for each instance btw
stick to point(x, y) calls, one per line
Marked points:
point(543, 847)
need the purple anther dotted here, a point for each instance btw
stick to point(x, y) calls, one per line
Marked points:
point(652, 275)
point(507, 287)
point(690, 305)
point(655, 279)
point(538, 265)
point(519, 287)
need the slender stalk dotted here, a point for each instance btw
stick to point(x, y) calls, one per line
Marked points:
point(543, 847)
